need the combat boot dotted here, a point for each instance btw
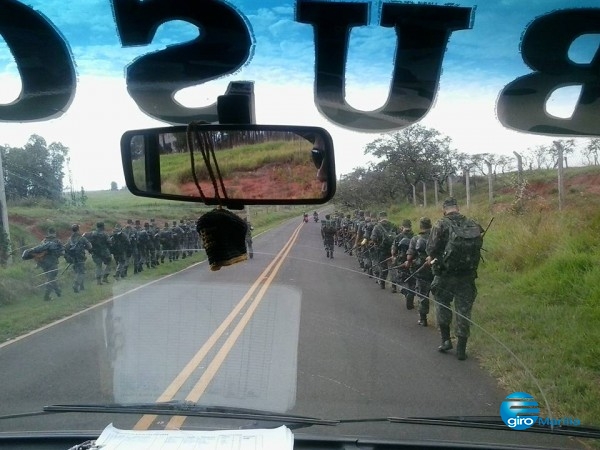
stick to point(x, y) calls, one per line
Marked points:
point(98, 280)
point(422, 319)
point(105, 279)
point(446, 342)
point(461, 348)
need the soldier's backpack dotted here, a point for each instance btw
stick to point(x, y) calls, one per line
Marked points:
point(74, 251)
point(48, 249)
point(388, 237)
point(165, 236)
point(329, 227)
point(463, 249)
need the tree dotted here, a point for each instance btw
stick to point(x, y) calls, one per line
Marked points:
point(567, 146)
point(114, 186)
point(591, 151)
point(35, 170)
point(415, 154)
point(539, 157)
point(363, 187)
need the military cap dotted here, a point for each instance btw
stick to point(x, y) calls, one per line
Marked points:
point(129, 221)
point(328, 216)
point(137, 222)
point(425, 223)
point(75, 227)
point(100, 225)
point(146, 224)
point(406, 223)
point(51, 232)
point(450, 201)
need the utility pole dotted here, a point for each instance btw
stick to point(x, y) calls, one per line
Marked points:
point(561, 178)
point(3, 209)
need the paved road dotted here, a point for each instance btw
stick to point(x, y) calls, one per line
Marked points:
point(289, 330)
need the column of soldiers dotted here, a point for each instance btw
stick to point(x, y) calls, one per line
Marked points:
point(133, 245)
point(441, 259)
point(389, 254)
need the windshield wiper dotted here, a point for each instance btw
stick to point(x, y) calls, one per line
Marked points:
point(486, 422)
point(182, 408)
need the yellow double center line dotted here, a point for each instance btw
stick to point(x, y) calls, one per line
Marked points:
point(263, 281)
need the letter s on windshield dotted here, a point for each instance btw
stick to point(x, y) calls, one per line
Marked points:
point(223, 45)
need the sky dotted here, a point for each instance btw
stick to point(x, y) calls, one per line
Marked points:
point(478, 63)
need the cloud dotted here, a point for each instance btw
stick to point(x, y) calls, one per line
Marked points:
point(478, 63)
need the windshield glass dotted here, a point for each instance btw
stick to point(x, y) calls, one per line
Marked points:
point(453, 274)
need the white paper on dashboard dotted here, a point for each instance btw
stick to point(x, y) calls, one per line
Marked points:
point(112, 438)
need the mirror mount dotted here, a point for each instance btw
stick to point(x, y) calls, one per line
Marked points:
point(236, 106)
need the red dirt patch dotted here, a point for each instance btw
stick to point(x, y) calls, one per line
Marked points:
point(273, 182)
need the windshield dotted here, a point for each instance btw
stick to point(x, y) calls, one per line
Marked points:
point(453, 274)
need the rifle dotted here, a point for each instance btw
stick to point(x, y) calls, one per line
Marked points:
point(65, 269)
point(419, 269)
point(386, 260)
point(488, 227)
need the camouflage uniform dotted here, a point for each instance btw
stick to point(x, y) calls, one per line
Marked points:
point(368, 249)
point(346, 233)
point(154, 250)
point(119, 245)
point(448, 286)
point(249, 239)
point(75, 249)
point(195, 237)
point(150, 252)
point(328, 235)
point(100, 252)
point(165, 236)
point(359, 230)
point(185, 239)
point(177, 240)
point(382, 236)
point(421, 272)
point(130, 234)
point(402, 273)
point(140, 242)
point(46, 254)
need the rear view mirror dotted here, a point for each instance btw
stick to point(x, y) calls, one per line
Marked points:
point(231, 165)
